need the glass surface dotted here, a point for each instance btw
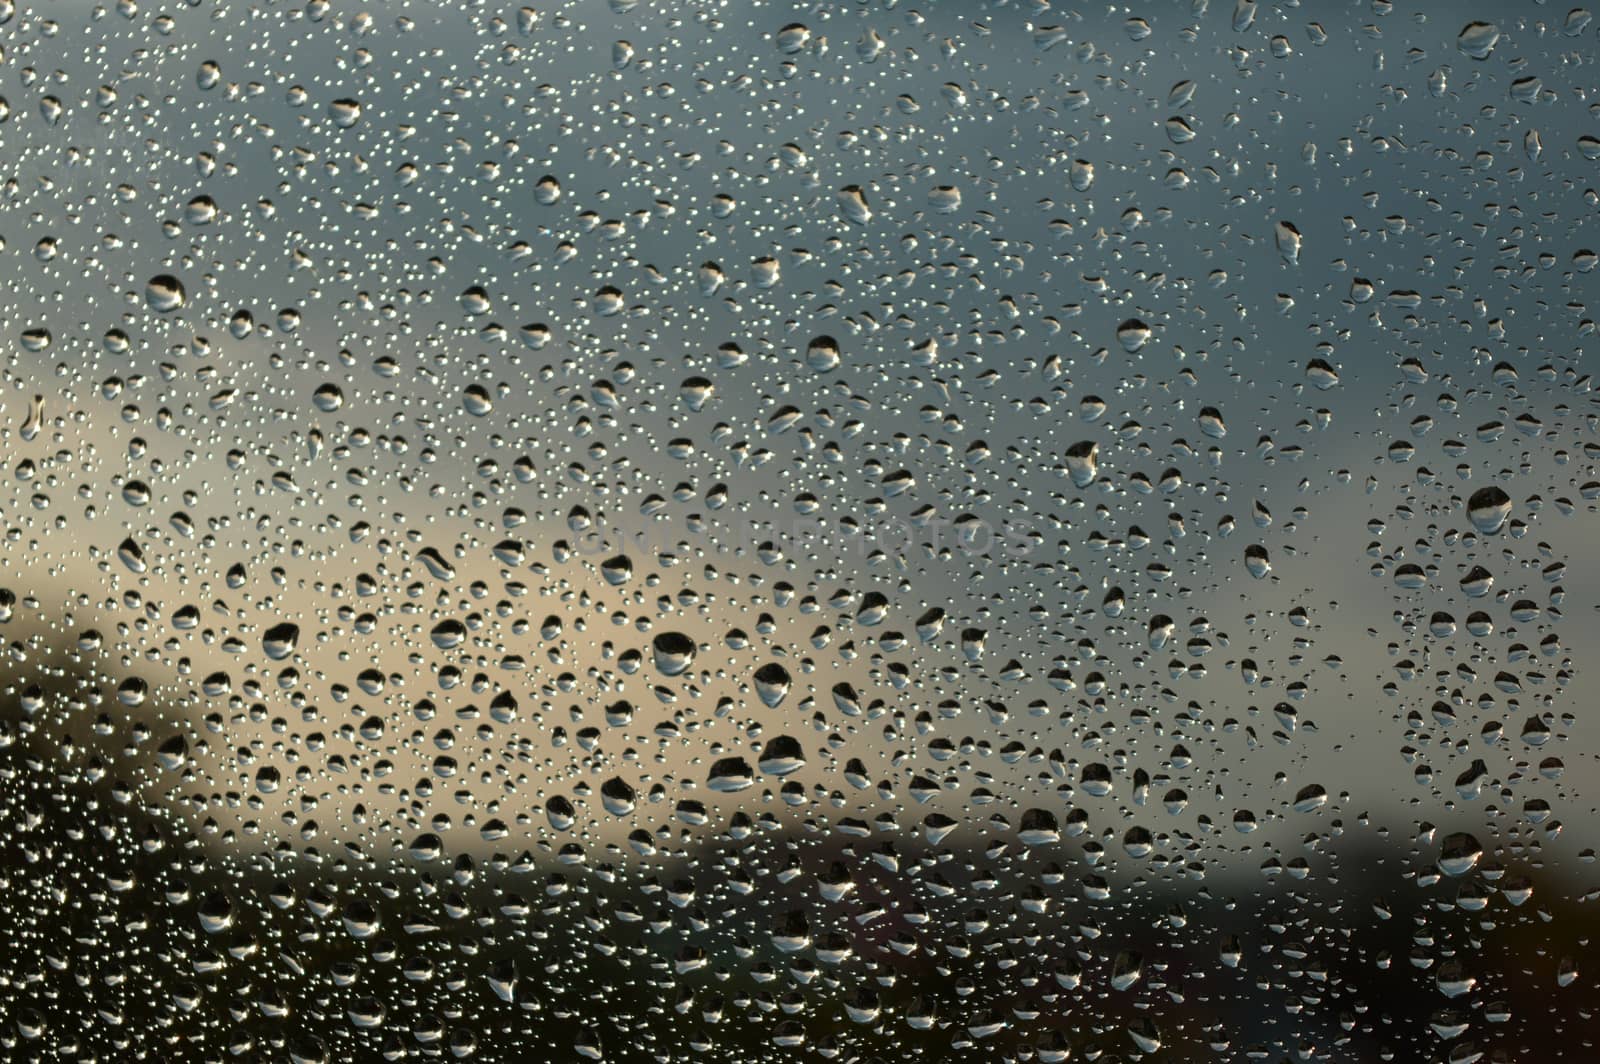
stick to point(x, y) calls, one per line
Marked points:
point(856, 531)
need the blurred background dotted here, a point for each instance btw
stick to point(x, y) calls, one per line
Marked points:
point(642, 532)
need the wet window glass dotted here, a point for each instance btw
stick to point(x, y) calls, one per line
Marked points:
point(857, 531)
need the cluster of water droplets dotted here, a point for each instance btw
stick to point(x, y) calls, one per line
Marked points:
point(847, 532)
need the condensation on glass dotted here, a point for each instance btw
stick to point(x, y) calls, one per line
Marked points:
point(856, 531)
